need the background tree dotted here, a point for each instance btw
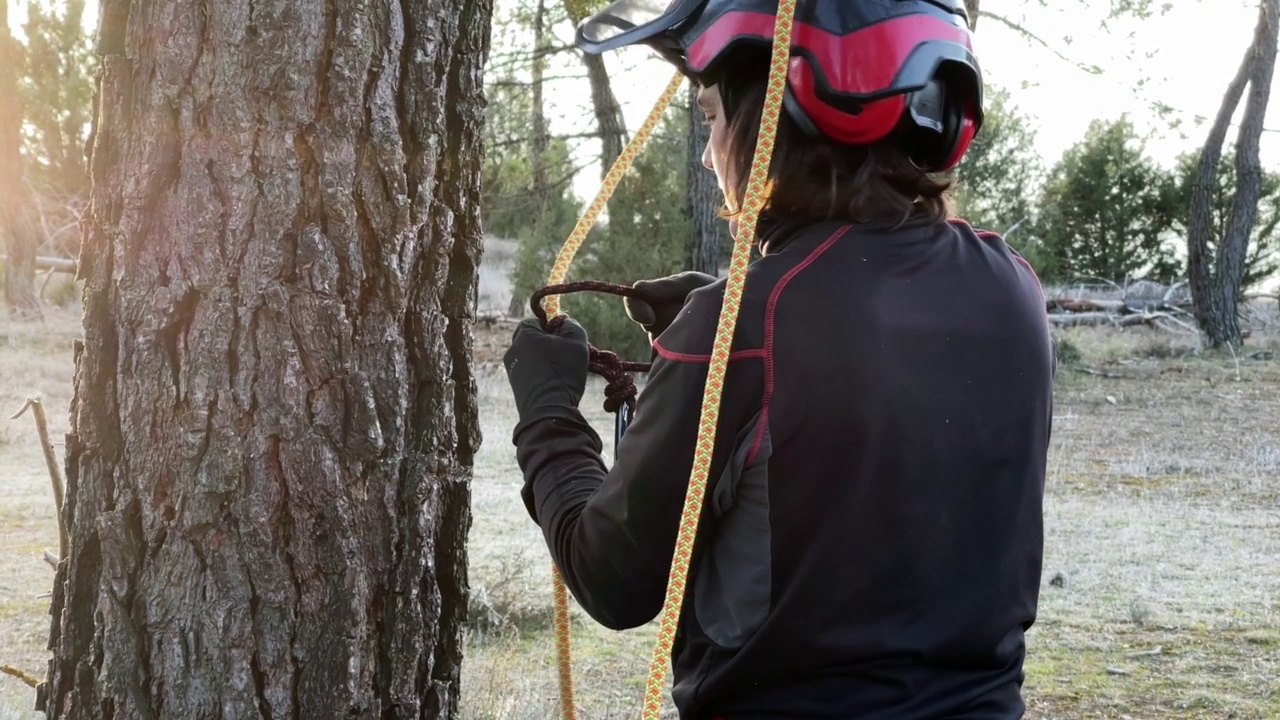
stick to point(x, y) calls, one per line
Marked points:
point(971, 6)
point(999, 177)
point(611, 126)
point(17, 223)
point(1107, 209)
point(528, 193)
point(57, 94)
point(528, 170)
point(44, 113)
point(709, 241)
point(274, 416)
point(645, 237)
point(1262, 257)
point(1216, 278)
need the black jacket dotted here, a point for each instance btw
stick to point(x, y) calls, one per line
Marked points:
point(871, 541)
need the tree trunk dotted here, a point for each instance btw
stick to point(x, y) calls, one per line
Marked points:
point(609, 121)
point(971, 7)
point(1233, 250)
point(1215, 282)
point(17, 227)
point(274, 416)
point(610, 124)
point(702, 198)
point(541, 136)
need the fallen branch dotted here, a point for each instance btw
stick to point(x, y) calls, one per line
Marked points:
point(1122, 321)
point(51, 460)
point(1098, 373)
point(1173, 291)
point(1095, 318)
point(489, 319)
point(1186, 327)
point(25, 678)
point(52, 264)
point(1081, 305)
point(1082, 279)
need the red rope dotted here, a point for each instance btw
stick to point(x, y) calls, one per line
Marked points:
point(620, 387)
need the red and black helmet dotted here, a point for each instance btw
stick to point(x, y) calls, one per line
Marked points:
point(859, 68)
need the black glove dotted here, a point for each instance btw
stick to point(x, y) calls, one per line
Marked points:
point(547, 372)
point(666, 298)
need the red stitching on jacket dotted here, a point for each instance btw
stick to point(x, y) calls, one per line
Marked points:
point(758, 441)
point(989, 235)
point(694, 358)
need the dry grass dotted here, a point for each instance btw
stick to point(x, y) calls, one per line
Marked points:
point(1159, 599)
point(35, 359)
point(1163, 523)
point(493, 295)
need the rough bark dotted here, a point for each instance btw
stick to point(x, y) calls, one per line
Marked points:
point(1215, 282)
point(702, 197)
point(274, 416)
point(17, 227)
point(971, 7)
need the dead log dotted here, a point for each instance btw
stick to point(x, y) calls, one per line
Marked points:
point(1081, 305)
point(1113, 319)
point(1096, 373)
point(51, 264)
point(490, 319)
point(1083, 318)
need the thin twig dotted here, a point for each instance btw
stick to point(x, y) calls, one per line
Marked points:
point(1097, 373)
point(24, 677)
point(50, 459)
point(1188, 328)
point(1234, 356)
point(1172, 291)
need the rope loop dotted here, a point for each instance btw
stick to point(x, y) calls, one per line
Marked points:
point(620, 388)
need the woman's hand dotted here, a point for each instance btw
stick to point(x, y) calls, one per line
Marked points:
point(547, 370)
point(665, 298)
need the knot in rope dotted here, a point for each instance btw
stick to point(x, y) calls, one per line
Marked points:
point(620, 387)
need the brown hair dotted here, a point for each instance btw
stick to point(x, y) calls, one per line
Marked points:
point(813, 178)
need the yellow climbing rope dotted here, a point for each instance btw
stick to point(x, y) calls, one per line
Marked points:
point(754, 200)
point(559, 272)
point(751, 204)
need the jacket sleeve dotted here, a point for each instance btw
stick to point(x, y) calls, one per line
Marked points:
point(612, 532)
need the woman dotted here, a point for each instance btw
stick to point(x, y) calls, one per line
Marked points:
point(871, 542)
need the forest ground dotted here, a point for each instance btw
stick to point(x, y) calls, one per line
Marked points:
point(1160, 597)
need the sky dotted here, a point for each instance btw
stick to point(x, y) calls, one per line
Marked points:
point(1195, 50)
point(1184, 58)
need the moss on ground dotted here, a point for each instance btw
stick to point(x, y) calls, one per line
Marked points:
point(1155, 673)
